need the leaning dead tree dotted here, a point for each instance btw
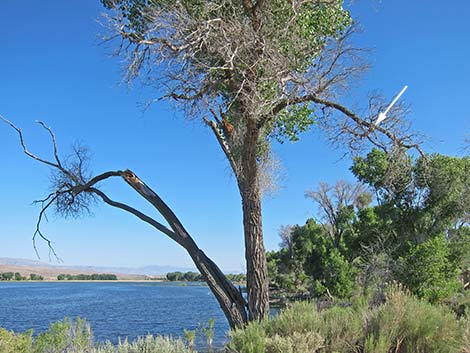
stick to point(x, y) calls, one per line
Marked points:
point(253, 72)
point(74, 191)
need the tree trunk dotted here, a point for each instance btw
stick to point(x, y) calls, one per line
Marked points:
point(257, 278)
point(229, 297)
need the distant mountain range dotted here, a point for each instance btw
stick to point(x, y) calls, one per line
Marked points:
point(39, 266)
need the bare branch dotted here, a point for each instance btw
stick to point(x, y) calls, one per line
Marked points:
point(286, 233)
point(54, 142)
point(362, 129)
point(334, 200)
point(42, 214)
point(23, 145)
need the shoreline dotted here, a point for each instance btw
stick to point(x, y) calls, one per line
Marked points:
point(113, 281)
point(101, 281)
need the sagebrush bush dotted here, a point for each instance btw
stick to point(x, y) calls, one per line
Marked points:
point(342, 328)
point(406, 324)
point(466, 335)
point(300, 317)
point(65, 336)
point(402, 324)
point(297, 342)
point(251, 339)
point(69, 336)
point(15, 343)
point(147, 344)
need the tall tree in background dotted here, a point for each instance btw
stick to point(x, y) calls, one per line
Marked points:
point(252, 71)
point(336, 204)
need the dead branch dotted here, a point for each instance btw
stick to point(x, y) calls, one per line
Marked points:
point(71, 190)
point(23, 145)
point(332, 200)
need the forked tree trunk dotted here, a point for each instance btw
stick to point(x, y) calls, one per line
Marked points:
point(229, 297)
point(257, 276)
point(247, 174)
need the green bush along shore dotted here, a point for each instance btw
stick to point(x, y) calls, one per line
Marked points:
point(402, 324)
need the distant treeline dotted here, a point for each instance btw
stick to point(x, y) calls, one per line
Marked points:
point(83, 277)
point(16, 276)
point(196, 277)
point(186, 276)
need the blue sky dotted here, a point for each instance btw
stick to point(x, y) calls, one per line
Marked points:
point(53, 68)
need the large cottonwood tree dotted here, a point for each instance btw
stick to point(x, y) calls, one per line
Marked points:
point(252, 71)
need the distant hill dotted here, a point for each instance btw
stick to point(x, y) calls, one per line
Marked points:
point(154, 270)
point(21, 262)
point(50, 271)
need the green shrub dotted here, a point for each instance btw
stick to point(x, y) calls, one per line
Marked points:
point(306, 342)
point(15, 343)
point(299, 318)
point(69, 336)
point(402, 324)
point(409, 325)
point(208, 331)
point(190, 336)
point(302, 328)
point(147, 344)
point(251, 339)
point(342, 328)
point(279, 344)
point(429, 272)
point(465, 323)
point(65, 336)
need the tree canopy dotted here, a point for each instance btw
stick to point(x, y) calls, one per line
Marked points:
point(266, 61)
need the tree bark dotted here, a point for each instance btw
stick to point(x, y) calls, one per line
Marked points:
point(257, 278)
point(229, 297)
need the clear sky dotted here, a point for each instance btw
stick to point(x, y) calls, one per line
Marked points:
point(53, 68)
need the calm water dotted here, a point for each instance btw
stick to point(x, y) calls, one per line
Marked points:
point(113, 309)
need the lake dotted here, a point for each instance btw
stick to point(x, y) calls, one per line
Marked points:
point(114, 310)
